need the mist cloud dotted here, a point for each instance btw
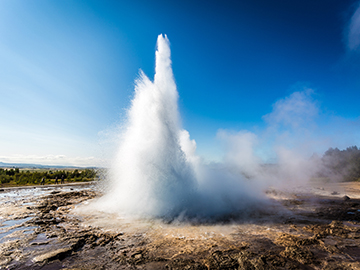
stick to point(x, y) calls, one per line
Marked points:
point(294, 111)
point(287, 151)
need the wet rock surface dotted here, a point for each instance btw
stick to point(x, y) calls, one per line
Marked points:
point(302, 232)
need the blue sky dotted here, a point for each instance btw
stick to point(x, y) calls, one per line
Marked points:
point(67, 71)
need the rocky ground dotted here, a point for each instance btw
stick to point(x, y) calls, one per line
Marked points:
point(299, 231)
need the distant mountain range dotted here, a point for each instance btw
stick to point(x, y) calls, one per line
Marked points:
point(38, 166)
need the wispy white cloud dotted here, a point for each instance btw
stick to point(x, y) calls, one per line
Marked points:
point(53, 160)
point(353, 31)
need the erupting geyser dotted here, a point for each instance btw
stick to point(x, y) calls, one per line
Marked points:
point(156, 172)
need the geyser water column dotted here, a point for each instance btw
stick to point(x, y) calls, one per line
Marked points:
point(151, 175)
point(156, 172)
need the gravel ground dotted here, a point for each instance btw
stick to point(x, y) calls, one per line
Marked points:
point(52, 228)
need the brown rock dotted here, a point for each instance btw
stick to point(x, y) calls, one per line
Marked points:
point(52, 255)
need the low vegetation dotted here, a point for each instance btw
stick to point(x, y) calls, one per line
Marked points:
point(16, 177)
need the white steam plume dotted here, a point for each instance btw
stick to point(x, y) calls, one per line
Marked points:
point(156, 172)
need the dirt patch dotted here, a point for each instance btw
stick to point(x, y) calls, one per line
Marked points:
point(308, 233)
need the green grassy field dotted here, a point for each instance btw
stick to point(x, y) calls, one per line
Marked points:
point(10, 177)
